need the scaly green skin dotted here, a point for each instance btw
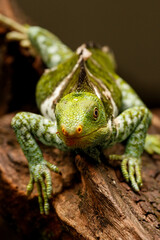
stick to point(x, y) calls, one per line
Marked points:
point(86, 107)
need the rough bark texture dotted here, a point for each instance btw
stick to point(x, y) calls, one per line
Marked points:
point(90, 201)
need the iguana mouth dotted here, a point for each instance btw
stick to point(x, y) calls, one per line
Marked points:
point(71, 141)
point(77, 141)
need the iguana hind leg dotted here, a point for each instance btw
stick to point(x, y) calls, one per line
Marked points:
point(152, 144)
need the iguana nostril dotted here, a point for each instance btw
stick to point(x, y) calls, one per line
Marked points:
point(64, 131)
point(79, 129)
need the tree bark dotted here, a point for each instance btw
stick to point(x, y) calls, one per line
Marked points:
point(90, 201)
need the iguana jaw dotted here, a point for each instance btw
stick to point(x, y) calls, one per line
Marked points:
point(72, 141)
point(87, 140)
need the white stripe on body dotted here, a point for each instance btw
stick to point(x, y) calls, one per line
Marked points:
point(106, 93)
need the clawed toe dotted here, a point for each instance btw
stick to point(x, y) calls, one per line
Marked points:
point(131, 171)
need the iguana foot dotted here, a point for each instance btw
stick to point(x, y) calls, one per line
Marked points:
point(40, 174)
point(131, 169)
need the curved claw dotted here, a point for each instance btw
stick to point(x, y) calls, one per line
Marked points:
point(131, 170)
point(134, 184)
point(124, 169)
point(138, 175)
point(45, 197)
point(52, 167)
point(30, 185)
point(40, 199)
point(48, 183)
point(41, 174)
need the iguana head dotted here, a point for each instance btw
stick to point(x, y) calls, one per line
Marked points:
point(81, 120)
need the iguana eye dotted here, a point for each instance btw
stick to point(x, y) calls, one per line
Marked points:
point(95, 113)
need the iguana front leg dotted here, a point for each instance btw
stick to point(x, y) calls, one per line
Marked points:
point(27, 127)
point(132, 125)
